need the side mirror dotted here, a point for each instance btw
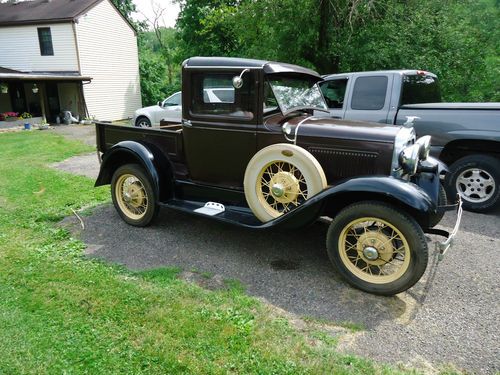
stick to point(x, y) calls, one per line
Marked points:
point(160, 104)
point(238, 80)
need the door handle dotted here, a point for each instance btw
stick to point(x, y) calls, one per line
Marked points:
point(187, 123)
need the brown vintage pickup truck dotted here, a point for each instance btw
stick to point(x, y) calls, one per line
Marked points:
point(257, 158)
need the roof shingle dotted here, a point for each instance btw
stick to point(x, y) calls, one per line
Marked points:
point(43, 11)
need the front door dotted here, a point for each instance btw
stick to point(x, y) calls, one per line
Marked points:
point(53, 106)
point(219, 127)
point(18, 97)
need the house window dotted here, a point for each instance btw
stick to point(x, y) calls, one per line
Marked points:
point(45, 39)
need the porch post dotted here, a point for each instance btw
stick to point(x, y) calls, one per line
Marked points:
point(82, 98)
point(42, 100)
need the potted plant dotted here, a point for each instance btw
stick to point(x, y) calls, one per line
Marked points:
point(26, 116)
point(44, 125)
point(4, 88)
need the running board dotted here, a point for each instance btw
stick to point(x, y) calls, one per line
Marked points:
point(240, 216)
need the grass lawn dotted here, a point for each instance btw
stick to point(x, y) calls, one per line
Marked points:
point(63, 313)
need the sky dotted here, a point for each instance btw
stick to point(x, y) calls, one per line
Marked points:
point(145, 8)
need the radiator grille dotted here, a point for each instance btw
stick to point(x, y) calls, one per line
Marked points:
point(339, 163)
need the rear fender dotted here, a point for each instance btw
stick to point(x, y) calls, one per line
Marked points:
point(156, 165)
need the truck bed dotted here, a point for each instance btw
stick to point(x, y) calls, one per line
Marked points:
point(479, 106)
point(168, 139)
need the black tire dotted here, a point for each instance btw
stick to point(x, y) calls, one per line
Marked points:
point(442, 201)
point(377, 281)
point(143, 122)
point(477, 179)
point(139, 208)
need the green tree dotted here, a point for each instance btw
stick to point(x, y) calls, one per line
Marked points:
point(206, 28)
point(126, 7)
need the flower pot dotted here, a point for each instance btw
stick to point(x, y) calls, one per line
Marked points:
point(27, 126)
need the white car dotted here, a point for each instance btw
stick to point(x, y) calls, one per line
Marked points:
point(170, 109)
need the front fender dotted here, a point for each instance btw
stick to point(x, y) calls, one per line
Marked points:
point(406, 195)
point(390, 188)
point(442, 167)
point(128, 152)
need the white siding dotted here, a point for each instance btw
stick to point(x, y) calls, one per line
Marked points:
point(20, 49)
point(108, 53)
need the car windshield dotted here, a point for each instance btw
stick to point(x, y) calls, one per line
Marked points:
point(294, 93)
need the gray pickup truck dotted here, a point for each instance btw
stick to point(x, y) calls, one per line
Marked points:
point(466, 136)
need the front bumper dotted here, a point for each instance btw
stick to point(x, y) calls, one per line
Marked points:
point(444, 246)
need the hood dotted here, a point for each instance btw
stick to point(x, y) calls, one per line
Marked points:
point(342, 129)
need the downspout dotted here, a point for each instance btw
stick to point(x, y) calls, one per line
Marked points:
point(73, 24)
point(82, 102)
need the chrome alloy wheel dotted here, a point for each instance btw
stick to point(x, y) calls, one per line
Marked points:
point(475, 185)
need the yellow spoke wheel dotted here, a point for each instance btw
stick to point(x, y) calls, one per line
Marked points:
point(133, 195)
point(377, 248)
point(279, 178)
point(374, 250)
point(280, 186)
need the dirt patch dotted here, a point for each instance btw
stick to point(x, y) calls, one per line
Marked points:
point(206, 281)
point(83, 165)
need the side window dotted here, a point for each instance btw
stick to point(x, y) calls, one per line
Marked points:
point(334, 92)
point(173, 100)
point(369, 93)
point(45, 40)
point(214, 94)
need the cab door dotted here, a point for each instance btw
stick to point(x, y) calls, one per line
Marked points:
point(334, 91)
point(370, 99)
point(219, 125)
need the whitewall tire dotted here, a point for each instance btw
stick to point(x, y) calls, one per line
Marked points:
point(279, 178)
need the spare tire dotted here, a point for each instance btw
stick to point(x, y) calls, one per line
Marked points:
point(279, 178)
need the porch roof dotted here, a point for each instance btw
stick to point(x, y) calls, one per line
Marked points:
point(10, 74)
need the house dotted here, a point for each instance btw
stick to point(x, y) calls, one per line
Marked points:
point(68, 55)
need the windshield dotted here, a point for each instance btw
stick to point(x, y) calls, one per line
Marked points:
point(293, 93)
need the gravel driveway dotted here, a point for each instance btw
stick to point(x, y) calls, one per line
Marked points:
point(450, 317)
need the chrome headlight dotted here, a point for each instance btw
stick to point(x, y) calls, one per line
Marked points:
point(404, 138)
point(425, 146)
point(409, 159)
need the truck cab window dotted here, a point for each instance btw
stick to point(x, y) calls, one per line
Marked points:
point(420, 89)
point(369, 93)
point(334, 92)
point(214, 94)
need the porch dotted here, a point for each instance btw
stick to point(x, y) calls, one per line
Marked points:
point(43, 96)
